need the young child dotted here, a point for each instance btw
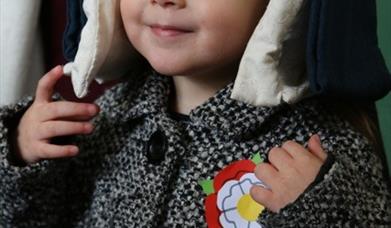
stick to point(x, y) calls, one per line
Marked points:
point(178, 151)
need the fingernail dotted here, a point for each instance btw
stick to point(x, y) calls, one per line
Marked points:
point(317, 138)
point(74, 150)
point(89, 127)
point(92, 109)
point(57, 68)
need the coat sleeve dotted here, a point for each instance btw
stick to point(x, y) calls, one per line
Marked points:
point(32, 195)
point(354, 192)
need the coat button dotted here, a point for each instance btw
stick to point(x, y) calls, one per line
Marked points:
point(157, 146)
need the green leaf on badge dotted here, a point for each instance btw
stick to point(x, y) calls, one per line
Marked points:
point(207, 186)
point(257, 159)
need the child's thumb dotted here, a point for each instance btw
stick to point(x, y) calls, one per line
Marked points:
point(315, 146)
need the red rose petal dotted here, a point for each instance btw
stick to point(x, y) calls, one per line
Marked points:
point(212, 213)
point(233, 172)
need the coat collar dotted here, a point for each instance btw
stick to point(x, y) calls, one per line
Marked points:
point(148, 95)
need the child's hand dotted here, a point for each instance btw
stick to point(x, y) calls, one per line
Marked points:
point(46, 119)
point(291, 170)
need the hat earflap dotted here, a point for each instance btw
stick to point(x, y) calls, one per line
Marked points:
point(104, 52)
point(272, 69)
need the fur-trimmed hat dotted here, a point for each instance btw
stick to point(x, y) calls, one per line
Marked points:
point(299, 48)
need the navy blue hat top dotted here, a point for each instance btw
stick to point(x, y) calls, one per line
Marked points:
point(76, 19)
point(343, 57)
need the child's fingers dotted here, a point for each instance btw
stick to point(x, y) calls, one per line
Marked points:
point(46, 85)
point(296, 150)
point(50, 151)
point(267, 173)
point(52, 129)
point(279, 158)
point(262, 196)
point(68, 110)
point(315, 146)
point(78, 118)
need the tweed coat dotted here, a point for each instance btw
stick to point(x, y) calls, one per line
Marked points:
point(141, 168)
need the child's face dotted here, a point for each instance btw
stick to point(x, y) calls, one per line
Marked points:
point(190, 37)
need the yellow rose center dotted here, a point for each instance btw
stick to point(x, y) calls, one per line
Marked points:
point(248, 208)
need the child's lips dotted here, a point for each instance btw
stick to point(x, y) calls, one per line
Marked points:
point(169, 30)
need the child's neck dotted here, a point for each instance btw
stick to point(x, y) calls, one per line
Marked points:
point(193, 91)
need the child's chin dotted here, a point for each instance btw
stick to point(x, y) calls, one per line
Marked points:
point(170, 69)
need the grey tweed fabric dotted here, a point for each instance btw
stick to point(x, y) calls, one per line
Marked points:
point(115, 182)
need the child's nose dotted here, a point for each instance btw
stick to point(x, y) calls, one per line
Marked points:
point(170, 3)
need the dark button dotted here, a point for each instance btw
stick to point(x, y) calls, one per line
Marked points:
point(157, 146)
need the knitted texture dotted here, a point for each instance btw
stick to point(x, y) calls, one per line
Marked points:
point(112, 183)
